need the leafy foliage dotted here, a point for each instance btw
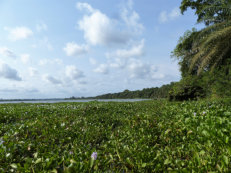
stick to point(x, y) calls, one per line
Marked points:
point(209, 11)
point(184, 51)
point(207, 52)
point(150, 136)
point(212, 48)
point(189, 88)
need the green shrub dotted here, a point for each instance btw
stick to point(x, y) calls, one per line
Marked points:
point(189, 88)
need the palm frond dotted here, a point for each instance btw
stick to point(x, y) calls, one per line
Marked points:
point(210, 30)
point(218, 60)
point(216, 55)
point(217, 12)
point(211, 48)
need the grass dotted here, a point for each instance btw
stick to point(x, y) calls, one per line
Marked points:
point(148, 136)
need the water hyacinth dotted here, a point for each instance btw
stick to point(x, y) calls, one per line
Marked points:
point(94, 155)
point(112, 135)
point(1, 141)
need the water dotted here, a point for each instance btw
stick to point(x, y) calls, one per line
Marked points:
point(80, 100)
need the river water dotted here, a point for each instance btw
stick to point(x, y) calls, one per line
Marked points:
point(76, 100)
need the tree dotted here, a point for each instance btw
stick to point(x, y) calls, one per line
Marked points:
point(184, 51)
point(208, 11)
point(212, 48)
point(209, 48)
point(204, 56)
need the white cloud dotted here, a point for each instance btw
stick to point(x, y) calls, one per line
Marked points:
point(8, 90)
point(158, 76)
point(73, 49)
point(118, 63)
point(44, 42)
point(92, 61)
point(140, 70)
point(82, 6)
point(135, 51)
point(7, 52)
point(9, 73)
point(52, 79)
point(73, 73)
point(99, 28)
point(19, 33)
point(33, 71)
point(31, 90)
point(131, 18)
point(121, 58)
point(43, 62)
point(25, 58)
point(175, 13)
point(41, 27)
point(103, 69)
point(46, 61)
point(165, 16)
point(130, 4)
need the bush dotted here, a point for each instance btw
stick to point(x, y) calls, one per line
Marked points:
point(189, 88)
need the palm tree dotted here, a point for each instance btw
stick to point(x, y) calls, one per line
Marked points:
point(210, 47)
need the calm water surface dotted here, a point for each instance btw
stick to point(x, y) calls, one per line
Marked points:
point(83, 100)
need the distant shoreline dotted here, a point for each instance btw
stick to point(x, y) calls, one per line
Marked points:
point(67, 100)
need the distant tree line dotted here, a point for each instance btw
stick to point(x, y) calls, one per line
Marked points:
point(153, 93)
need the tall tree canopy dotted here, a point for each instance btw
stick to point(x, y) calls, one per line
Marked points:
point(209, 48)
point(208, 11)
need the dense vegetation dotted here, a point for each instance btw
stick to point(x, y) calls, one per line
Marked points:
point(150, 136)
point(204, 56)
point(154, 93)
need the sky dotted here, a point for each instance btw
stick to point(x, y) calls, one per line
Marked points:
point(64, 48)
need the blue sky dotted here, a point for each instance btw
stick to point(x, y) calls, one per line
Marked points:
point(61, 48)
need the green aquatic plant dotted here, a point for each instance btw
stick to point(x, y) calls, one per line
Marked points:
point(149, 136)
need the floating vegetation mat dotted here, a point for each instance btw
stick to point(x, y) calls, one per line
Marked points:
point(147, 136)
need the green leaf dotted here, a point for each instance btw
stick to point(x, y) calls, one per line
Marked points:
point(218, 167)
point(167, 161)
point(72, 161)
point(54, 171)
point(35, 155)
point(205, 133)
point(226, 159)
point(202, 152)
point(227, 113)
point(92, 163)
point(189, 132)
point(14, 165)
point(144, 165)
point(38, 161)
point(167, 131)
